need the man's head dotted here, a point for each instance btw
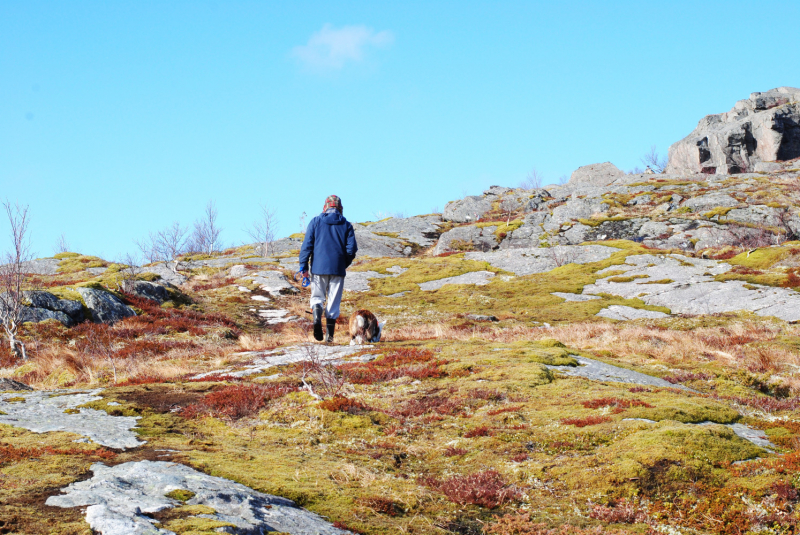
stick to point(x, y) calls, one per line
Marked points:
point(333, 202)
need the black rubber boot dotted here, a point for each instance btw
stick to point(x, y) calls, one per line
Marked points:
point(317, 310)
point(331, 325)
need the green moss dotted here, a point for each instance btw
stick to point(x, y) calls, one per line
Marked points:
point(16, 399)
point(763, 258)
point(660, 281)
point(683, 210)
point(78, 263)
point(181, 495)
point(148, 276)
point(298, 236)
point(503, 227)
point(685, 410)
point(72, 411)
point(719, 211)
point(62, 256)
point(600, 220)
point(387, 234)
point(627, 279)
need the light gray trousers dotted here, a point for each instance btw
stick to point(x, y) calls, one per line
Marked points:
point(328, 287)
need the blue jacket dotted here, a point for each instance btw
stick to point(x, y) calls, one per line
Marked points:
point(330, 243)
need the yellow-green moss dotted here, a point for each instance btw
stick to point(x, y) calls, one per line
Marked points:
point(630, 278)
point(594, 222)
point(77, 263)
point(182, 495)
point(719, 211)
point(685, 410)
point(763, 258)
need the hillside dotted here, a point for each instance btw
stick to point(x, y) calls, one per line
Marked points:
point(617, 354)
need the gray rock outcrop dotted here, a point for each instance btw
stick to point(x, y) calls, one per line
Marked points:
point(120, 497)
point(45, 412)
point(149, 290)
point(104, 306)
point(762, 128)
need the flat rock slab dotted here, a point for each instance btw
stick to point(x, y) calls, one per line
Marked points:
point(687, 286)
point(575, 297)
point(44, 412)
point(600, 371)
point(274, 317)
point(263, 360)
point(540, 260)
point(478, 278)
point(272, 282)
point(12, 385)
point(42, 266)
point(358, 281)
point(120, 497)
point(623, 313)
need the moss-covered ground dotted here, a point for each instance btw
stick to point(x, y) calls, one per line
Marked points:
point(457, 426)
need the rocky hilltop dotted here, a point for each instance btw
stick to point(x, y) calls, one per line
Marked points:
point(617, 354)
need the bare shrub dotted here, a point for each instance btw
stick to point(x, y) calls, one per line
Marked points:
point(263, 230)
point(326, 381)
point(13, 277)
point(654, 161)
point(166, 246)
point(205, 236)
point(485, 489)
point(533, 180)
point(61, 245)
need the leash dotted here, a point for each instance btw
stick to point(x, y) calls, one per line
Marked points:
point(306, 280)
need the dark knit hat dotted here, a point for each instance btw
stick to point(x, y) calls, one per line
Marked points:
point(333, 202)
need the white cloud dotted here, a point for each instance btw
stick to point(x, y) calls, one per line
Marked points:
point(332, 48)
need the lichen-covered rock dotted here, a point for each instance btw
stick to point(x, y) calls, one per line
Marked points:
point(45, 306)
point(149, 290)
point(711, 201)
point(468, 238)
point(121, 498)
point(575, 209)
point(764, 127)
point(469, 208)
point(38, 315)
point(104, 306)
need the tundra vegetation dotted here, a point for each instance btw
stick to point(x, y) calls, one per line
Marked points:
point(462, 419)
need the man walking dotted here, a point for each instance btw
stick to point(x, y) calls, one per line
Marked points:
point(330, 244)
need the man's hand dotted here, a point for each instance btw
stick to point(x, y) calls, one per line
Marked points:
point(306, 275)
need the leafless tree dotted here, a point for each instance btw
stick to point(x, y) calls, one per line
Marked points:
point(654, 161)
point(205, 237)
point(533, 180)
point(303, 217)
point(563, 179)
point(327, 379)
point(61, 244)
point(129, 272)
point(165, 246)
point(13, 276)
point(263, 230)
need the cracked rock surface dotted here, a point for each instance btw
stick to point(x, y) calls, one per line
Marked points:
point(532, 260)
point(119, 498)
point(43, 412)
point(690, 288)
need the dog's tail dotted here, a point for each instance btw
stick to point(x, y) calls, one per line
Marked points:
point(360, 321)
point(380, 332)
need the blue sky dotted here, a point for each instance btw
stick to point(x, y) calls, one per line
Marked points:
point(118, 118)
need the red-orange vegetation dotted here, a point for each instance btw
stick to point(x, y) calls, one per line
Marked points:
point(381, 505)
point(486, 489)
point(343, 404)
point(452, 451)
point(583, 422)
point(401, 362)
point(481, 431)
point(12, 454)
point(510, 408)
point(429, 403)
point(238, 401)
point(143, 380)
point(213, 284)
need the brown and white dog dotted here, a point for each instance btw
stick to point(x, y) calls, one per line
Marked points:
point(364, 328)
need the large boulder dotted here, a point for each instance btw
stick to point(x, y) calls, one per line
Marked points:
point(104, 306)
point(468, 238)
point(46, 300)
point(596, 174)
point(149, 290)
point(762, 128)
point(37, 315)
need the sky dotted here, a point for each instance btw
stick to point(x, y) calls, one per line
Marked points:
point(118, 118)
